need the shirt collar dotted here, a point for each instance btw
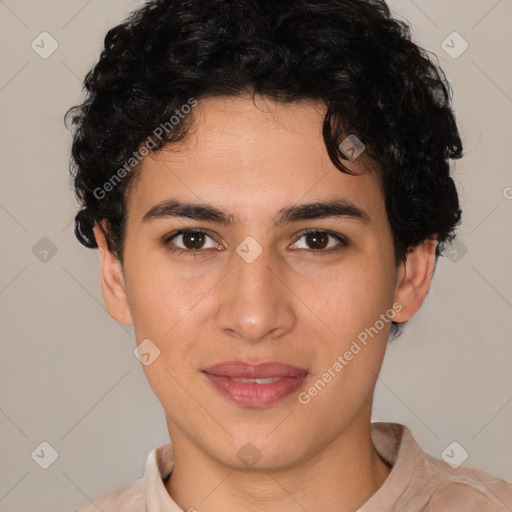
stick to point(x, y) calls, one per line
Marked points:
point(159, 466)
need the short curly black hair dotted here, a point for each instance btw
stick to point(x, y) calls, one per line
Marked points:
point(351, 55)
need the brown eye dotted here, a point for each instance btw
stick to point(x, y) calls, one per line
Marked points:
point(193, 240)
point(317, 239)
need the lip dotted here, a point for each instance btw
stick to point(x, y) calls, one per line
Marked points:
point(251, 394)
point(246, 370)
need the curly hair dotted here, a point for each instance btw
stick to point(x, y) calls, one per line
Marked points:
point(351, 55)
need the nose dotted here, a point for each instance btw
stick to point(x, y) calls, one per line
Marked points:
point(257, 302)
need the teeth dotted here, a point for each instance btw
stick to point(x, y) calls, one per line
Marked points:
point(268, 380)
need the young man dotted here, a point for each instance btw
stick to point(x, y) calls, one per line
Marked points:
point(268, 184)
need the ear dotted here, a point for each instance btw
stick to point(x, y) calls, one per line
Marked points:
point(112, 281)
point(414, 278)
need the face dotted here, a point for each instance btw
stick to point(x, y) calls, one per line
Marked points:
point(247, 284)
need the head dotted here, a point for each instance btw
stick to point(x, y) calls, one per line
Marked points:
point(239, 120)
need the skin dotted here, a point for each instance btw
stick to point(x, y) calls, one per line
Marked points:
point(293, 304)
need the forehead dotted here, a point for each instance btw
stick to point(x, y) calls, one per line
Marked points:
point(252, 154)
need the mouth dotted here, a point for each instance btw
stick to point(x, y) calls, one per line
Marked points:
point(255, 385)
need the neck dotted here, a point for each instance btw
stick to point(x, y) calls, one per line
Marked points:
point(341, 477)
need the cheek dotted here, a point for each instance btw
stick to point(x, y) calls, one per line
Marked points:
point(352, 308)
point(163, 312)
point(350, 359)
point(353, 299)
point(150, 305)
point(168, 309)
point(159, 295)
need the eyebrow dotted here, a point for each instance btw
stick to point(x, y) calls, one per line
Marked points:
point(173, 208)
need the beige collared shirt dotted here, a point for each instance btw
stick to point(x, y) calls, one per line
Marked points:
point(417, 482)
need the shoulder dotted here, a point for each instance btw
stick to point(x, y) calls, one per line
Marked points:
point(421, 482)
point(469, 489)
point(129, 498)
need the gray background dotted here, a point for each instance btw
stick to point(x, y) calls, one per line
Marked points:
point(68, 374)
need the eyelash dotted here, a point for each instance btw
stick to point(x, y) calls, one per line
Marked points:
point(199, 252)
